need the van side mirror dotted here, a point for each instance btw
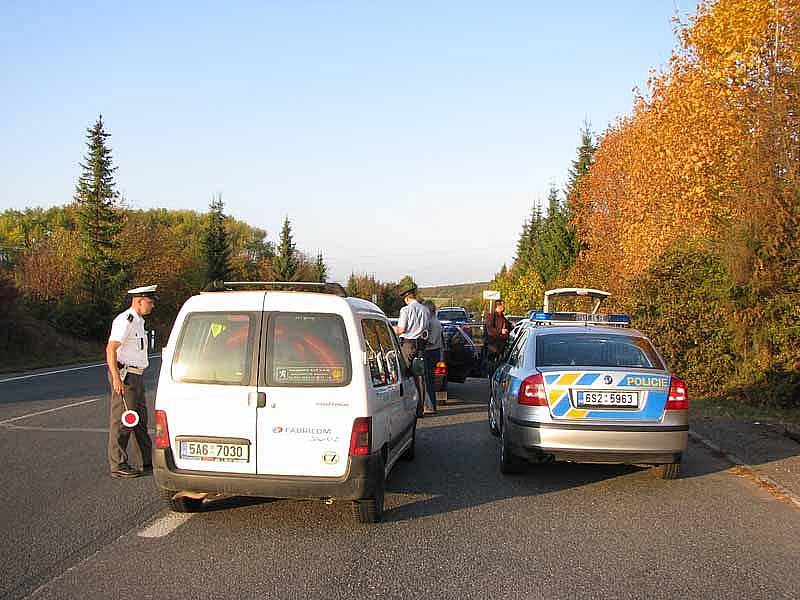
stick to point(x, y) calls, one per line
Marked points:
point(418, 366)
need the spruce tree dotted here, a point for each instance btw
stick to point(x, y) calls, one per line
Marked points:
point(99, 218)
point(320, 270)
point(286, 260)
point(216, 243)
point(585, 159)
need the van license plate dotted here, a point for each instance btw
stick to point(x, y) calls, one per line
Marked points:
point(215, 451)
point(607, 399)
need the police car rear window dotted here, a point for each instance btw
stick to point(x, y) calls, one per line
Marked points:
point(595, 350)
point(452, 315)
point(215, 348)
point(308, 350)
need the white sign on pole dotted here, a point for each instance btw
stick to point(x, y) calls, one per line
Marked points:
point(491, 295)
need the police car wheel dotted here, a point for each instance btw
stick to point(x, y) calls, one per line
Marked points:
point(182, 504)
point(509, 463)
point(493, 428)
point(370, 510)
point(671, 471)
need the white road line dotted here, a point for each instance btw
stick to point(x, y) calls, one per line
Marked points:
point(94, 366)
point(49, 410)
point(165, 525)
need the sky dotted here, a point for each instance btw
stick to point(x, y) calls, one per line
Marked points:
point(397, 137)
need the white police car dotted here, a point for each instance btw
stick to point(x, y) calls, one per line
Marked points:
point(585, 387)
point(286, 394)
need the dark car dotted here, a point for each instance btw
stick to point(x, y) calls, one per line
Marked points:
point(461, 354)
point(452, 314)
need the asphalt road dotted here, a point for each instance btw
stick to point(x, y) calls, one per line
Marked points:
point(454, 528)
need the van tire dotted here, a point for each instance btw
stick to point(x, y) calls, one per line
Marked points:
point(370, 510)
point(671, 471)
point(182, 504)
point(410, 451)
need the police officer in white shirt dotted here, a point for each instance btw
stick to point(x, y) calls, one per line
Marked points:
point(126, 357)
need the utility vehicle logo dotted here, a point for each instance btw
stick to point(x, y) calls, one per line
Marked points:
point(608, 379)
point(330, 458)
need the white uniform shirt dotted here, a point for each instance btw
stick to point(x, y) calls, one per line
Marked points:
point(128, 329)
point(414, 320)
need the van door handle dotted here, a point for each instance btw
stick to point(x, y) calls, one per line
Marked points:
point(260, 399)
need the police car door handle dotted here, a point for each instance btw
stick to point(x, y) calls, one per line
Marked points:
point(259, 398)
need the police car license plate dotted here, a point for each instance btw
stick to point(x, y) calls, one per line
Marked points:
point(215, 451)
point(608, 399)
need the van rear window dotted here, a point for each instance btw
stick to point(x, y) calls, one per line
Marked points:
point(215, 348)
point(308, 350)
point(595, 350)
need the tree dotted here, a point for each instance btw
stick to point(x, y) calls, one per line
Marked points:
point(557, 246)
point(216, 243)
point(100, 221)
point(320, 270)
point(585, 159)
point(286, 260)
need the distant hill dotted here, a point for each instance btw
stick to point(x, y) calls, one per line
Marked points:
point(461, 294)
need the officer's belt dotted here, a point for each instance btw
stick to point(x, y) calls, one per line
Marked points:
point(130, 369)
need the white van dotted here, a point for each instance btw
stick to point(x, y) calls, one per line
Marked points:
point(283, 394)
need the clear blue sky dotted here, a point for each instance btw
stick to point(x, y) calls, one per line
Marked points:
point(398, 137)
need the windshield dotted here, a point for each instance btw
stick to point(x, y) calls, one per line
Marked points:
point(452, 315)
point(595, 350)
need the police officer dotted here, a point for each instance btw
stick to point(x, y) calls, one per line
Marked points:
point(126, 356)
point(412, 327)
point(433, 354)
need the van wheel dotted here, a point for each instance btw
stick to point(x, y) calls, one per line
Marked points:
point(509, 463)
point(409, 453)
point(182, 504)
point(671, 470)
point(370, 510)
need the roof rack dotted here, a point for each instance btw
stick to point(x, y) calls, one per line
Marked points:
point(597, 295)
point(285, 286)
point(579, 318)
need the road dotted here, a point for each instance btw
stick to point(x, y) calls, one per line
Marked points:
point(454, 528)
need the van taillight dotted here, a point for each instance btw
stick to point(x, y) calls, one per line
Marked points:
point(531, 392)
point(361, 438)
point(162, 431)
point(440, 368)
point(678, 398)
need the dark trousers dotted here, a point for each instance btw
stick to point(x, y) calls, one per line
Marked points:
point(409, 348)
point(118, 434)
point(431, 358)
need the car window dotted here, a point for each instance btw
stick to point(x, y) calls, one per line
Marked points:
point(375, 355)
point(215, 348)
point(393, 358)
point(307, 350)
point(517, 351)
point(596, 350)
point(452, 315)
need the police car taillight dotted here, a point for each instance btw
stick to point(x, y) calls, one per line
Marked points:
point(162, 431)
point(678, 398)
point(532, 392)
point(440, 368)
point(361, 438)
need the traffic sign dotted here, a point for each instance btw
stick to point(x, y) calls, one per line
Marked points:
point(491, 295)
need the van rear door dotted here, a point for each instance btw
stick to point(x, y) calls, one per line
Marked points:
point(305, 427)
point(211, 401)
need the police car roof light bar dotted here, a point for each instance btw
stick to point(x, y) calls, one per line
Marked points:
point(597, 295)
point(578, 318)
point(288, 286)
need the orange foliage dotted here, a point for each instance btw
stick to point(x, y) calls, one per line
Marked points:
point(714, 143)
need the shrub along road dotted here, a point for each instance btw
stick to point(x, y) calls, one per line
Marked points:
point(455, 527)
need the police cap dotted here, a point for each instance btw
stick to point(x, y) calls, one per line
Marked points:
point(406, 292)
point(146, 291)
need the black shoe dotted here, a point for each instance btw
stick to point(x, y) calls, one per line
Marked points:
point(125, 472)
point(147, 470)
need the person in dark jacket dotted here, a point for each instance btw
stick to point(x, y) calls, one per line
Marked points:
point(497, 330)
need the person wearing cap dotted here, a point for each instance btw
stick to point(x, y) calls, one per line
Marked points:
point(412, 328)
point(126, 357)
point(433, 354)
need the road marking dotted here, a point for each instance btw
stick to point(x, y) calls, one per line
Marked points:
point(50, 410)
point(165, 525)
point(102, 364)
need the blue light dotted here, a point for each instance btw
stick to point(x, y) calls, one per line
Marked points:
point(619, 318)
point(540, 316)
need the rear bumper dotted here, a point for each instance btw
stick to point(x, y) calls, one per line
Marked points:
point(359, 481)
point(616, 444)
